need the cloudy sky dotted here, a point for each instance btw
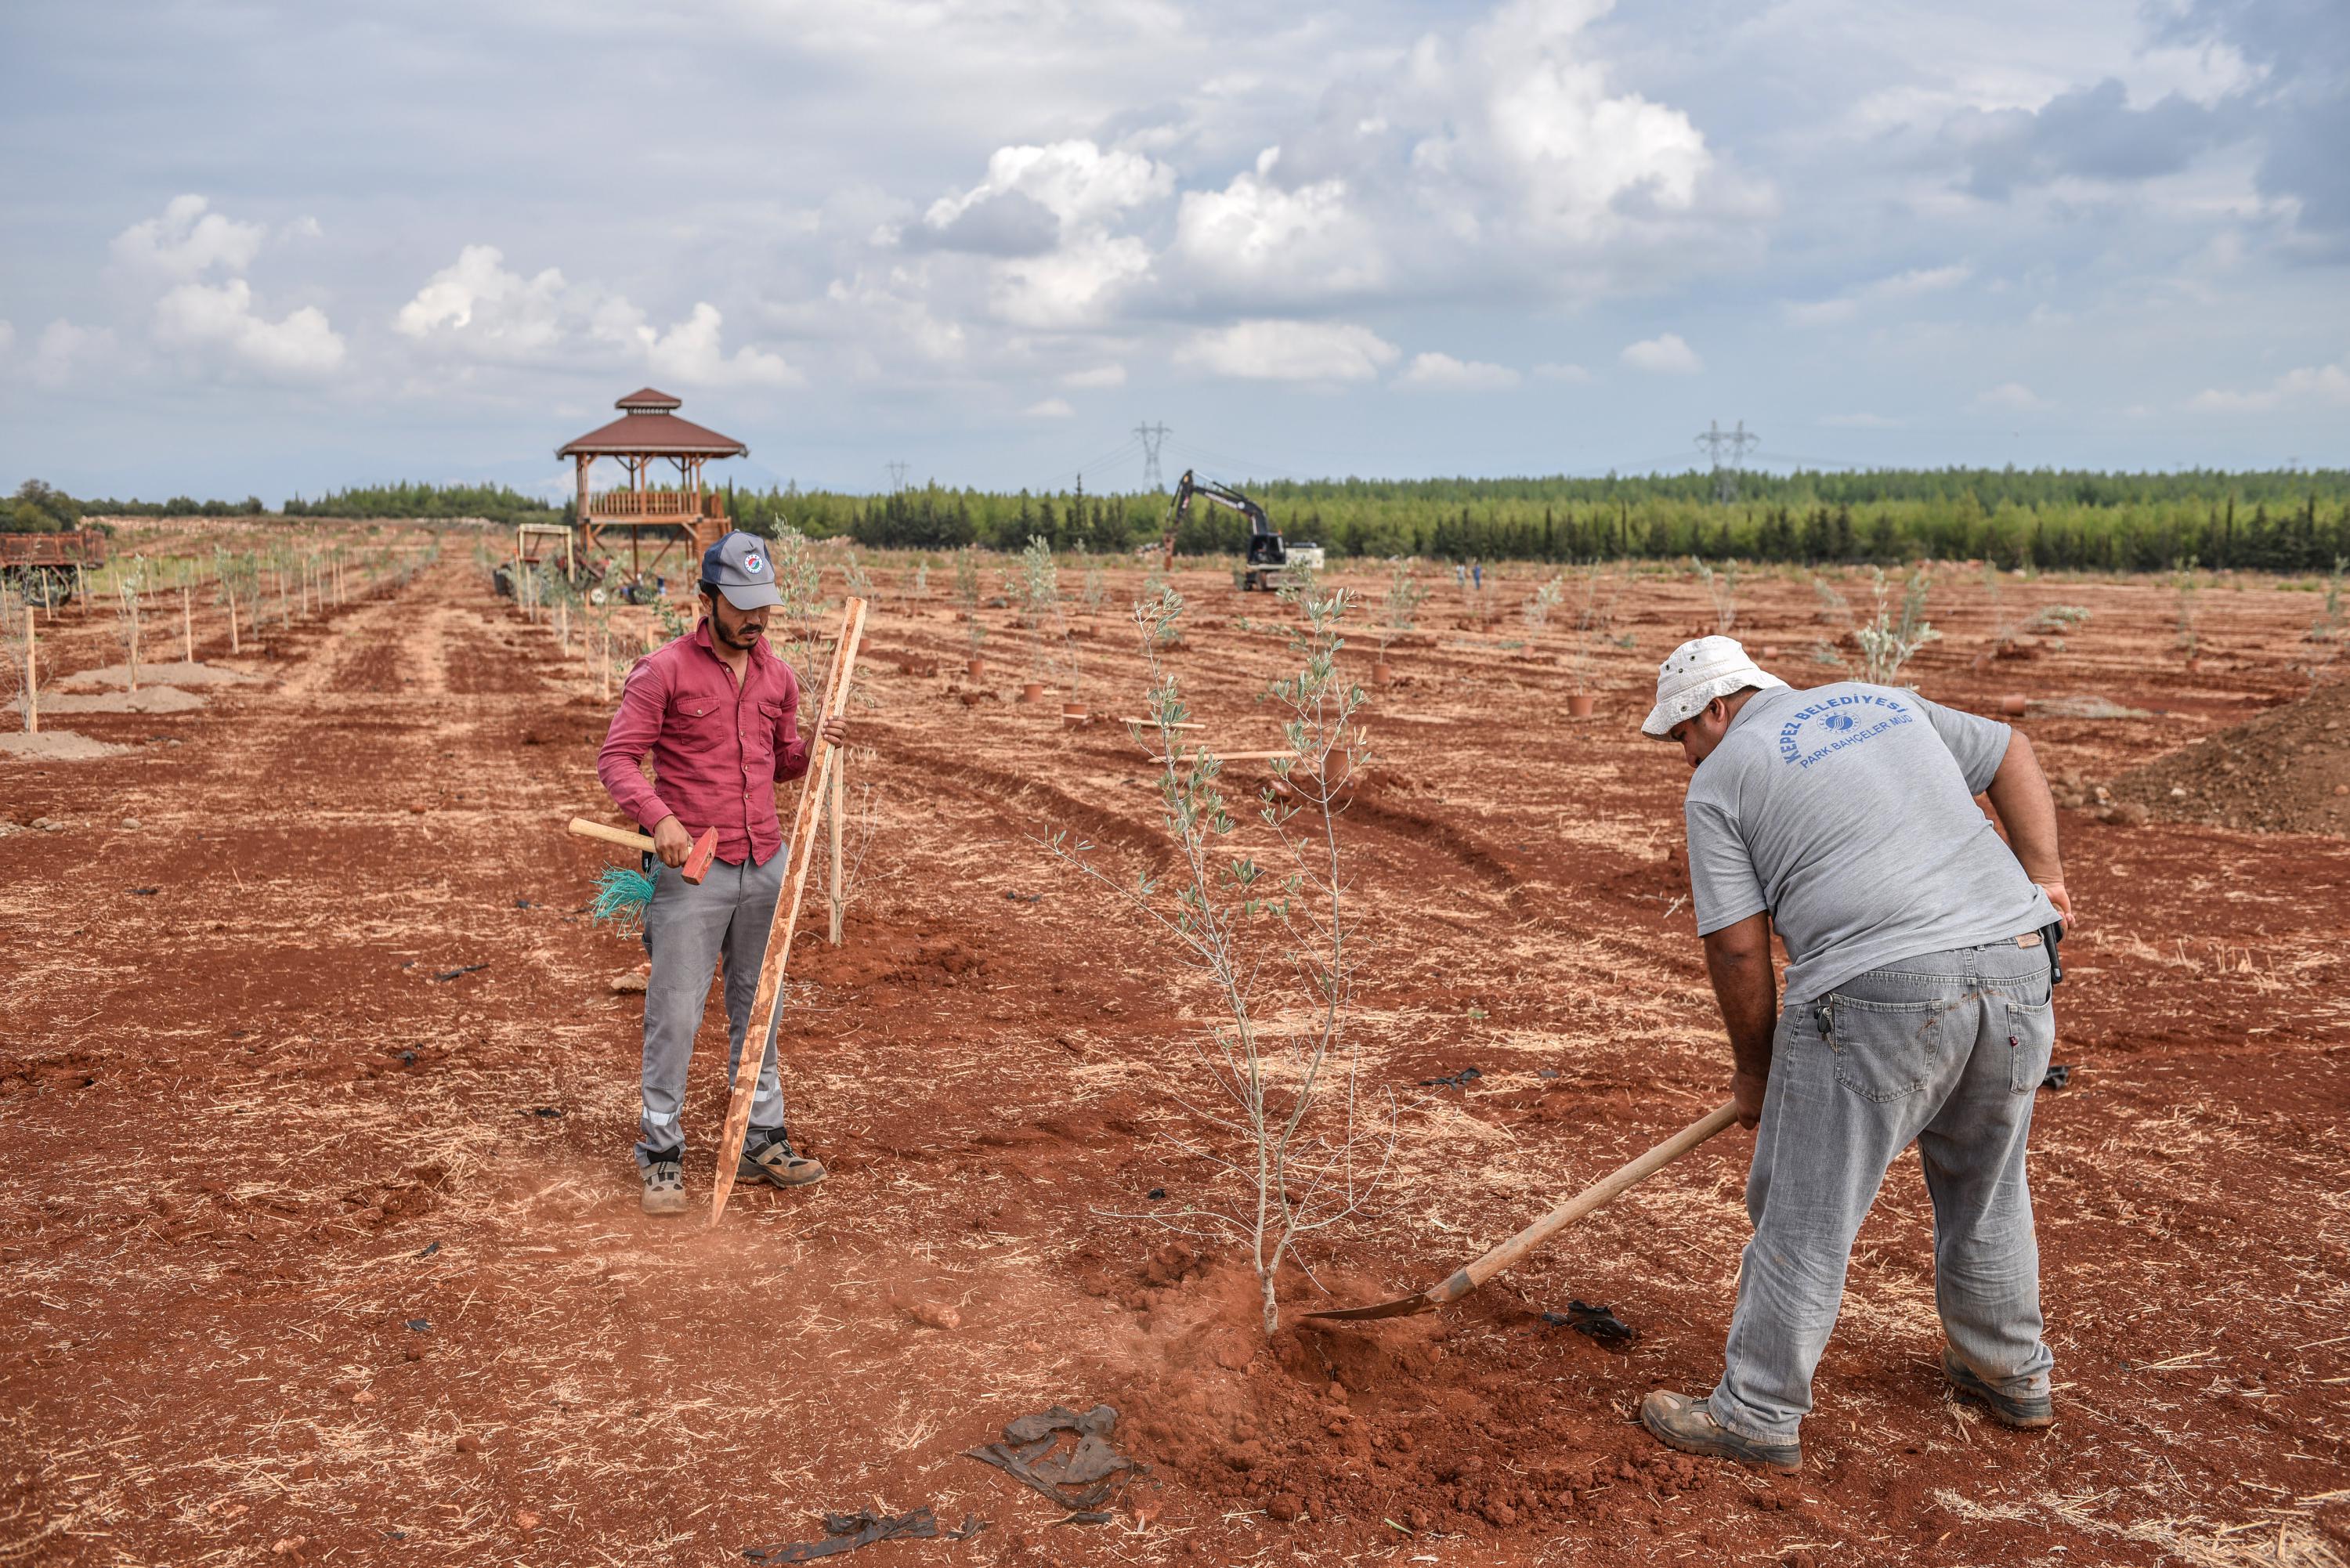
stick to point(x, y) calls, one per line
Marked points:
point(274, 246)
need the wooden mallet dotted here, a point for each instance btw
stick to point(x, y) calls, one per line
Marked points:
point(696, 866)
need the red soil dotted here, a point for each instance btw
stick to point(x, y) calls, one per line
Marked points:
point(256, 1141)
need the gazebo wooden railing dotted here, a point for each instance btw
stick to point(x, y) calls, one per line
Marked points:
point(662, 504)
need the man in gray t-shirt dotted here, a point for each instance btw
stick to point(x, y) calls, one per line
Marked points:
point(1848, 812)
point(1916, 1008)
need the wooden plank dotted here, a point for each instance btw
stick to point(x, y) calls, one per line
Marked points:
point(767, 1005)
point(838, 891)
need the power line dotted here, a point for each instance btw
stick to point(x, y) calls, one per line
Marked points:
point(1152, 436)
point(898, 473)
point(1714, 439)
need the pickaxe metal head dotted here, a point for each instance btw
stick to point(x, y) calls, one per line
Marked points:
point(697, 865)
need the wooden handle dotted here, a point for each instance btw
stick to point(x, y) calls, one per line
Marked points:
point(621, 836)
point(1598, 1194)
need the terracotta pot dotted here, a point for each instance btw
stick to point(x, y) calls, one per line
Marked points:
point(975, 668)
point(2015, 704)
point(1073, 713)
point(1381, 673)
point(1033, 692)
point(1579, 704)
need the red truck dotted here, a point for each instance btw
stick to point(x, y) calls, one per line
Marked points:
point(41, 566)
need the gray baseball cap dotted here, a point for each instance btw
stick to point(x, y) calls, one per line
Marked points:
point(737, 566)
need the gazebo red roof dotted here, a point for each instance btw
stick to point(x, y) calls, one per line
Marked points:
point(649, 429)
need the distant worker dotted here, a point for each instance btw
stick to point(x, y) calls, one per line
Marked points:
point(717, 711)
point(1918, 1006)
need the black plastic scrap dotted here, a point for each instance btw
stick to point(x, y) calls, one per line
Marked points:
point(1460, 1080)
point(847, 1531)
point(2059, 1074)
point(1089, 1475)
point(1599, 1321)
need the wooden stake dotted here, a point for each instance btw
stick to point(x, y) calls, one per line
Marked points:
point(187, 626)
point(838, 887)
point(32, 676)
point(766, 1007)
point(229, 593)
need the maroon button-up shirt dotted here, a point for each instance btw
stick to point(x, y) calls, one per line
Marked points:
point(718, 749)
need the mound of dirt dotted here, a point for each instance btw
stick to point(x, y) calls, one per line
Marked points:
point(146, 699)
point(2285, 770)
point(55, 745)
point(1383, 1422)
point(178, 673)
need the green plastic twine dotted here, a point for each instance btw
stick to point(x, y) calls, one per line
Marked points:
point(622, 894)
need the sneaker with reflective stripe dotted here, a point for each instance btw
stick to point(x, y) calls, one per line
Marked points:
point(664, 1182)
point(2027, 1415)
point(773, 1161)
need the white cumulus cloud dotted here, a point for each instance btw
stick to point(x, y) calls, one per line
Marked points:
point(188, 239)
point(1255, 236)
point(1077, 181)
point(475, 298)
point(1900, 285)
point(1050, 409)
point(63, 348)
point(2309, 384)
point(478, 308)
point(1664, 356)
point(2012, 396)
point(1071, 286)
point(200, 316)
point(1049, 216)
point(1111, 375)
point(690, 351)
point(1283, 350)
point(1443, 373)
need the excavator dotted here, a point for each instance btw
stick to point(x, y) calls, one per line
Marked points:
point(1264, 570)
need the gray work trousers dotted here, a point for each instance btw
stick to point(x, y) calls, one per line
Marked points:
point(688, 930)
point(1946, 1048)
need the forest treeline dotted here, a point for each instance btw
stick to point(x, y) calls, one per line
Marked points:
point(2275, 521)
point(2283, 521)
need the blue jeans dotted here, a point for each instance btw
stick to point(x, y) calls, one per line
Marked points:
point(1945, 1048)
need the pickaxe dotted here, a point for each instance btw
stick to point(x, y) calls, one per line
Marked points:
point(1462, 1281)
point(697, 863)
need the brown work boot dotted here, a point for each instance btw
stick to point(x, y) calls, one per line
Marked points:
point(773, 1162)
point(2027, 1415)
point(1679, 1421)
point(664, 1182)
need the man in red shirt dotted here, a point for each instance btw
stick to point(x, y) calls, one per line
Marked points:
point(717, 712)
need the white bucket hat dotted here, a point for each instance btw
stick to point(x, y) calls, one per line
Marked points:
point(1699, 672)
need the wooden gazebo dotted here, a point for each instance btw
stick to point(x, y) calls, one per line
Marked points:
point(648, 432)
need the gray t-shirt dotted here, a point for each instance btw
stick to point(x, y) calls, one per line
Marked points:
point(1856, 826)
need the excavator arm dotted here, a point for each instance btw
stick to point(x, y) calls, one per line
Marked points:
point(1224, 495)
